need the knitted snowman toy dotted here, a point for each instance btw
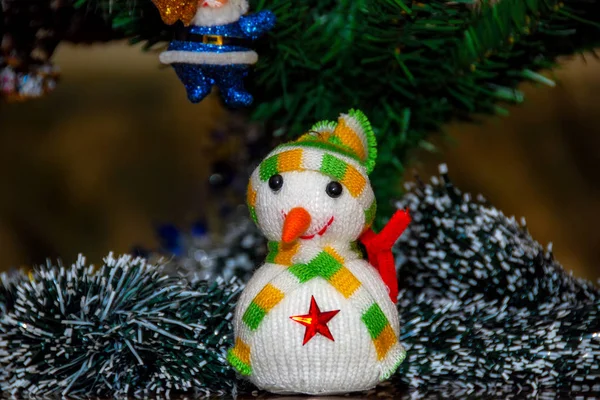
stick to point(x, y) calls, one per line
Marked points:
point(317, 318)
point(216, 48)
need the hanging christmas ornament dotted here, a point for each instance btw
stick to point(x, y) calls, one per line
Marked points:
point(215, 47)
point(313, 201)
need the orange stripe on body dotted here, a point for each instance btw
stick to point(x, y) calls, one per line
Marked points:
point(268, 297)
point(344, 282)
point(242, 351)
point(384, 342)
point(286, 252)
point(331, 251)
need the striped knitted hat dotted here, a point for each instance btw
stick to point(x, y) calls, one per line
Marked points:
point(344, 150)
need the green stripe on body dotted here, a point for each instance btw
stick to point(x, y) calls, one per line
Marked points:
point(254, 316)
point(238, 364)
point(323, 265)
point(253, 214)
point(375, 320)
point(273, 251)
point(304, 272)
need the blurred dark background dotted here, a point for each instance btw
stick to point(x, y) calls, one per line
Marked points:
point(117, 149)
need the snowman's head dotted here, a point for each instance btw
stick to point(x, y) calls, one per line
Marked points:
point(219, 12)
point(317, 188)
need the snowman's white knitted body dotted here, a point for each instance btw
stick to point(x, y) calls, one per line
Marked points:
point(316, 272)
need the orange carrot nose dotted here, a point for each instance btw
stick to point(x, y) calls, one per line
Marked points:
point(296, 223)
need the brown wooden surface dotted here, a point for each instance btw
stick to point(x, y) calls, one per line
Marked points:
point(117, 148)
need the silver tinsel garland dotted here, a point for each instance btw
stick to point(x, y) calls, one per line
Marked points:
point(8, 284)
point(123, 330)
point(485, 311)
point(485, 308)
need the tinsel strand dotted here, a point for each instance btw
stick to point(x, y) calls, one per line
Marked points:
point(486, 308)
point(123, 330)
point(485, 311)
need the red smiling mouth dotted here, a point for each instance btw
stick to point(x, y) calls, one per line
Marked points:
point(321, 231)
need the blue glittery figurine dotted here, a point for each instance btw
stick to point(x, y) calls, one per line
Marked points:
point(216, 50)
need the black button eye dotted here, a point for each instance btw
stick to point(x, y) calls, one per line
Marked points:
point(276, 182)
point(334, 189)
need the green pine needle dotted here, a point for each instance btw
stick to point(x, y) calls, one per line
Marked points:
point(410, 66)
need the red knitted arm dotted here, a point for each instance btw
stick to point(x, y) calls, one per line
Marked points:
point(379, 249)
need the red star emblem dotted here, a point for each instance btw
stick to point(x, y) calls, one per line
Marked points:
point(315, 321)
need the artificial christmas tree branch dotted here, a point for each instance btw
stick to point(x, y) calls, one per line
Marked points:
point(412, 66)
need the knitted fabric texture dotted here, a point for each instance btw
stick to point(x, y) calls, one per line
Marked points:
point(315, 268)
point(345, 151)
